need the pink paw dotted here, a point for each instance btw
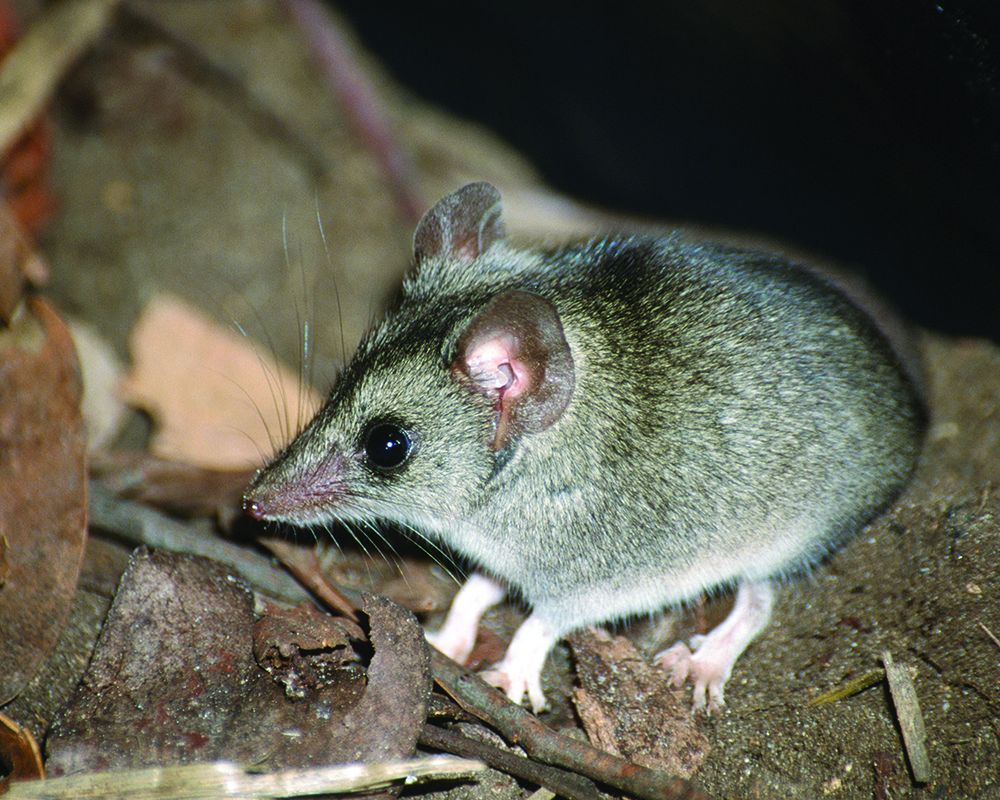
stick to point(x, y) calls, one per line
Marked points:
point(515, 683)
point(711, 663)
point(457, 636)
point(520, 672)
point(708, 676)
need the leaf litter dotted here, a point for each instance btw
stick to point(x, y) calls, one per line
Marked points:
point(218, 401)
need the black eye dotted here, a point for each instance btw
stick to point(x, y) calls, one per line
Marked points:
point(387, 446)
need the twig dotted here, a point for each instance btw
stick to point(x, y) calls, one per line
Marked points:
point(221, 779)
point(911, 720)
point(565, 784)
point(358, 99)
point(989, 633)
point(138, 524)
point(852, 687)
point(33, 69)
point(519, 727)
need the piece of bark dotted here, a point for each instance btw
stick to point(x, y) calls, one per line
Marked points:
point(628, 708)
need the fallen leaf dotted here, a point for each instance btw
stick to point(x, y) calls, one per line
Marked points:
point(176, 665)
point(218, 400)
point(627, 707)
point(43, 498)
point(19, 754)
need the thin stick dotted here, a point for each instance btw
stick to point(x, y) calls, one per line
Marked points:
point(225, 780)
point(519, 727)
point(989, 633)
point(565, 784)
point(138, 524)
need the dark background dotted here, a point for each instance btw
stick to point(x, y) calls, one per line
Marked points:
point(869, 131)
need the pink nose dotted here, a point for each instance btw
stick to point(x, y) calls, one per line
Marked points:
point(254, 508)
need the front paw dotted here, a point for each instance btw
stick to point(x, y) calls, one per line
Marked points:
point(457, 636)
point(515, 683)
point(520, 672)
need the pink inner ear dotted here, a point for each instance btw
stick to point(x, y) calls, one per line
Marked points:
point(492, 365)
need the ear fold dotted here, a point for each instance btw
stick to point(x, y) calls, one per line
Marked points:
point(516, 353)
point(462, 225)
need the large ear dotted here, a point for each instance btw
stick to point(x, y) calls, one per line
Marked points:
point(462, 225)
point(516, 353)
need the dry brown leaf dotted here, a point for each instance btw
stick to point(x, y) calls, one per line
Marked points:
point(219, 401)
point(177, 663)
point(43, 490)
